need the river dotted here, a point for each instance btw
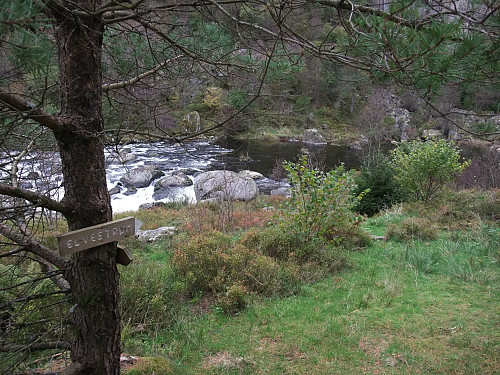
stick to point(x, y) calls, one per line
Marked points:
point(197, 156)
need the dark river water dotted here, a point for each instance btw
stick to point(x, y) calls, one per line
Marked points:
point(261, 156)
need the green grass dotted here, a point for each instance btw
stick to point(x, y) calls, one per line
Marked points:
point(414, 304)
point(415, 307)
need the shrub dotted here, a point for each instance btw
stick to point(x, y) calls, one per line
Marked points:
point(237, 98)
point(284, 246)
point(234, 299)
point(275, 243)
point(378, 182)
point(319, 202)
point(203, 260)
point(423, 168)
point(302, 103)
point(412, 228)
point(213, 263)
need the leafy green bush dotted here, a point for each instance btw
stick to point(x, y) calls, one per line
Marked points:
point(412, 228)
point(320, 203)
point(423, 168)
point(378, 182)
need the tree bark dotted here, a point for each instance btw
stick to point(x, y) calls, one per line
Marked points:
point(93, 275)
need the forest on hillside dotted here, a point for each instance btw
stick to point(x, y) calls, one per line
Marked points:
point(78, 77)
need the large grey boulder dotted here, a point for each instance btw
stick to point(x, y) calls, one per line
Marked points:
point(141, 176)
point(170, 186)
point(225, 185)
point(313, 136)
point(154, 234)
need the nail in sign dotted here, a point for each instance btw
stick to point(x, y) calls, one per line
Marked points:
point(96, 235)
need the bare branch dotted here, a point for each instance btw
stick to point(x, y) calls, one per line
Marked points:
point(35, 198)
point(120, 85)
point(28, 110)
point(114, 5)
point(40, 295)
point(35, 346)
point(33, 246)
point(347, 5)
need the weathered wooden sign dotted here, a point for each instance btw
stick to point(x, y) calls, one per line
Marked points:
point(89, 237)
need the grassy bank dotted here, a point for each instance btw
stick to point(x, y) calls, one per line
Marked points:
point(416, 303)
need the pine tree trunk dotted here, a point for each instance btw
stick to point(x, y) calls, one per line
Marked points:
point(93, 276)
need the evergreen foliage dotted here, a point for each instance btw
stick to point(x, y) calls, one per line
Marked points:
point(377, 179)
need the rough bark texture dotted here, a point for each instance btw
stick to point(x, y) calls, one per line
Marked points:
point(93, 275)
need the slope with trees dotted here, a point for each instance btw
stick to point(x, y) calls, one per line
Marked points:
point(77, 75)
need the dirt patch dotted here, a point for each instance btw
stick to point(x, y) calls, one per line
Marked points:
point(267, 343)
point(224, 360)
point(373, 347)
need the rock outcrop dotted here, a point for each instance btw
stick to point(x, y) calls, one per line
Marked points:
point(313, 136)
point(154, 234)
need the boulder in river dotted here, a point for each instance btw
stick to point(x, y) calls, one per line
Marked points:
point(115, 190)
point(123, 156)
point(251, 174)
point(225, 185)
point(171, 186)
point(176, 180)
point(313, 136)
point(141, 177)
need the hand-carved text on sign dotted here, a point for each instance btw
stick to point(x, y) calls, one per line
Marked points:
point(87, 238)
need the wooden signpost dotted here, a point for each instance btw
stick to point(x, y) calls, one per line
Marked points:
point(90, 237)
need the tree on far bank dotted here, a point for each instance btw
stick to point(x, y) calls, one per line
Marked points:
point(77, 75)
